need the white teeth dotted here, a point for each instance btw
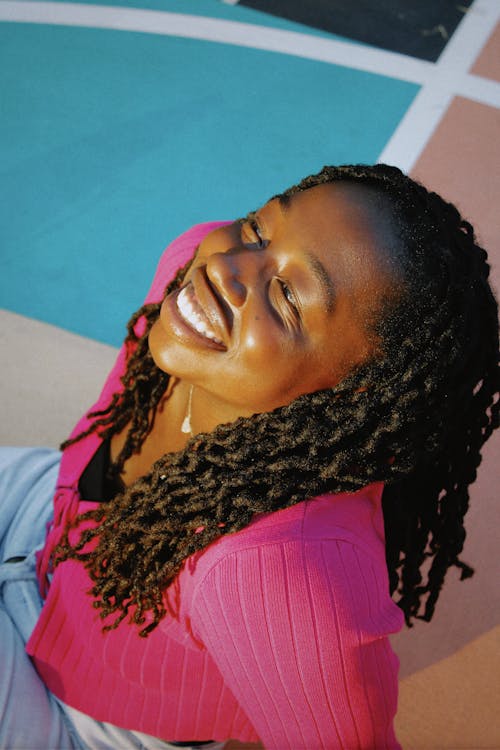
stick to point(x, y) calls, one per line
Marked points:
point(188, 308)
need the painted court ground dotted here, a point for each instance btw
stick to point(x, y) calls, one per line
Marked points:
point(123, 123)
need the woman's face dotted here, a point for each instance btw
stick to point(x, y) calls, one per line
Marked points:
point(280, 305)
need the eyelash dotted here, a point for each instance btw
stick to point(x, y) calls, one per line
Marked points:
point(261, 242)
point(289, 295)
point(287, 292)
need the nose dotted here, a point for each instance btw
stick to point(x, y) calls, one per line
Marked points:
point(233, 272)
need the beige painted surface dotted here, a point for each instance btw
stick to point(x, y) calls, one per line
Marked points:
point(49, 379)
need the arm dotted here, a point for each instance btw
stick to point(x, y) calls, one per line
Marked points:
point(298, 632)
point(174, 257)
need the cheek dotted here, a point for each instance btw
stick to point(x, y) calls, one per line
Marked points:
point(158, 346)
point(265, 378)
point(260, 346)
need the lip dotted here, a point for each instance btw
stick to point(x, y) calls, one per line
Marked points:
point(172, 319)
point(213, 305)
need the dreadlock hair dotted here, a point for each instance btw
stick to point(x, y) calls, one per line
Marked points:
point(414, 417)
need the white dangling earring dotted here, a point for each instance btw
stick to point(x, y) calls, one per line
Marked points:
point(186, 427)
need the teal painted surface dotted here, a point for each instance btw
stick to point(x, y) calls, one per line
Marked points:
point(112, 143)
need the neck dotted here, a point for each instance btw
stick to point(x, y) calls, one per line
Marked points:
point(173, 415)
point(166, 435)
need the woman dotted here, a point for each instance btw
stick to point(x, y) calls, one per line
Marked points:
point(216, 564)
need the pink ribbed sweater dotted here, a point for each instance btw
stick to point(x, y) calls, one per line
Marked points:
point(278, 632)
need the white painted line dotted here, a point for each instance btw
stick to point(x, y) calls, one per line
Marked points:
point(351, 55)
point(481, 90)
point(416, 127)
point(450, 79)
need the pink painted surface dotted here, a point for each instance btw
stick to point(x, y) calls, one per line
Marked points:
point(488, 62)
point(461, 162)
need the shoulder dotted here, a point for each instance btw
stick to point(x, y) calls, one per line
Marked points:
point(354, 518)
point(321, 561)
point(329, 547)
point(174, 257)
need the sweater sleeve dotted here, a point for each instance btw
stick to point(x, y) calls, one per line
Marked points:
point(174, 257)
point(299, 632)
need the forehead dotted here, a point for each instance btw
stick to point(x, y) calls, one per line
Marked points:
point(348, 226)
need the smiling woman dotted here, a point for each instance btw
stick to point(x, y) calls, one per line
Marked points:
point(289, 296)
point(288, 435)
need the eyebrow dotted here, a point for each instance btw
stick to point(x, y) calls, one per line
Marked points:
point(324, 279)
point(317, 266)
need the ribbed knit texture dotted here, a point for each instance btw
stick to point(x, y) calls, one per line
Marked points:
point(278, 632)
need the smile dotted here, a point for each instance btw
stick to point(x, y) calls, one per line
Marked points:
point(192, 314)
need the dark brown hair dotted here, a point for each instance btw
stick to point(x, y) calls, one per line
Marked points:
point(415, 418)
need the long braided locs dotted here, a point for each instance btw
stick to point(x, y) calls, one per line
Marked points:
point(415, 417)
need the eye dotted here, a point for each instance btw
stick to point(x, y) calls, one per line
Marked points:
point(251, 233)
point(288, 294)
point(286, 303)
